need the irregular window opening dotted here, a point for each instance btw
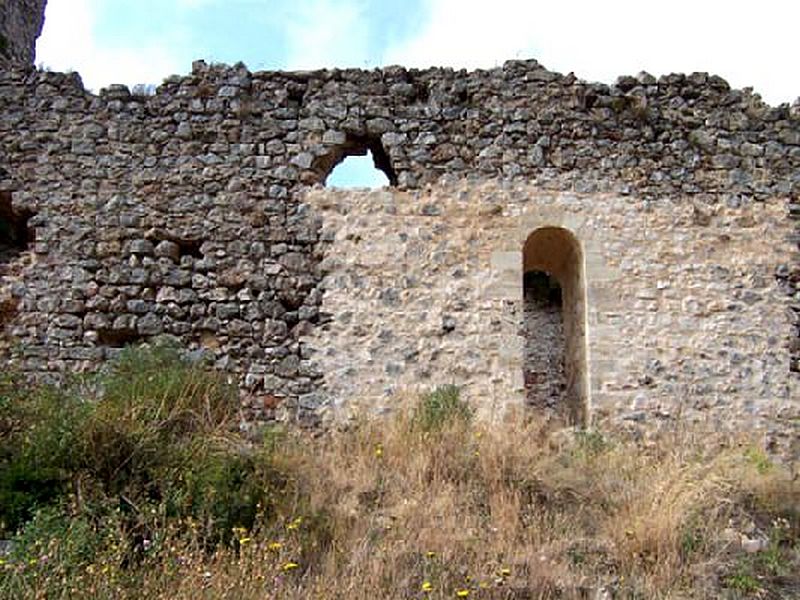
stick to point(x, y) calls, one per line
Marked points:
point(554, 360)
point(118, 338)
point(185, 246)
point(190, 247)
point(361, 172)
point(15, 235)
point(357, 172)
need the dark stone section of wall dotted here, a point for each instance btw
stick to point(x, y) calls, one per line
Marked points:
point(182, 214)
point(21, 23)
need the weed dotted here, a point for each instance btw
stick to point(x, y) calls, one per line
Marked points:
point(439, 408)
point(759, 459)
point(38, 448)
point(152, 493)
point(742, 580)
point(591, 442)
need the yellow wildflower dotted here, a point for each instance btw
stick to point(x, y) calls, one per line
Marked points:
point(462, 593)
point(275, 546)
point(244, 540)
point(295, 524)
point(378, 451)
point(505, 572)
point(289, 566)
point(430, 554)
point(427, 586)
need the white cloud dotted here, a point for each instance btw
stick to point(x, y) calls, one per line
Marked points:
point(749, 44)
point(327, 33)
point(68, 43)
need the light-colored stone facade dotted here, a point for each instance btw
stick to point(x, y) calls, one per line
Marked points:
point(682, 320)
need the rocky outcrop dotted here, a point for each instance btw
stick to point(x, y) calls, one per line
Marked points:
point(21, 23)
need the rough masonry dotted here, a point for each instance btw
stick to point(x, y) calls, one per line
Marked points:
point(21, 23)
point(666, 210)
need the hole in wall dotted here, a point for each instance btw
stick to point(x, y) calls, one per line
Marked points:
point(189, 247)
point(295, 94)
point(357, 172)
point(118, 338)
point(15, 234)
point(554, 361)
point(368, 146)
point(184, 246)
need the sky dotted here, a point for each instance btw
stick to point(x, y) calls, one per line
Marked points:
point(750, 43)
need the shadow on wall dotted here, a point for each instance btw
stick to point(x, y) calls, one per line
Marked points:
point(15, 235)
point(554, 324)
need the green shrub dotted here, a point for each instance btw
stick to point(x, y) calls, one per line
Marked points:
point(165, 433)
point(156, 414)
point(157, 440)
point(230, 491)
point(443, 406)
point(60, 549)
point(39, 433)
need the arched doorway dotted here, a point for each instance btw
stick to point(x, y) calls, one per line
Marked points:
point(554, 324)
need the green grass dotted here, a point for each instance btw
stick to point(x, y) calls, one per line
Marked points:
point(136, 483)
point(440, 408)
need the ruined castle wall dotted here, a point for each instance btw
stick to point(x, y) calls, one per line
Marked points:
point(190, 213)
point(21, 23)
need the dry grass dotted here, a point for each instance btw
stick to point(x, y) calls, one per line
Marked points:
point(387, 509)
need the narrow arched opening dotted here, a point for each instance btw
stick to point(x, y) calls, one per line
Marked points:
point(554, 361)
point(367, 146)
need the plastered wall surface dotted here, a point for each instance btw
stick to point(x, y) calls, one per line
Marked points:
point(679, 326)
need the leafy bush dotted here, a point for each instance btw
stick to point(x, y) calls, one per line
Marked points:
point(156, 415)
point(156, 440)
point(39, 435)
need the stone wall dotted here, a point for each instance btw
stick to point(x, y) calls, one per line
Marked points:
point(21, 23)
point(683, 317)
point(194, 213)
